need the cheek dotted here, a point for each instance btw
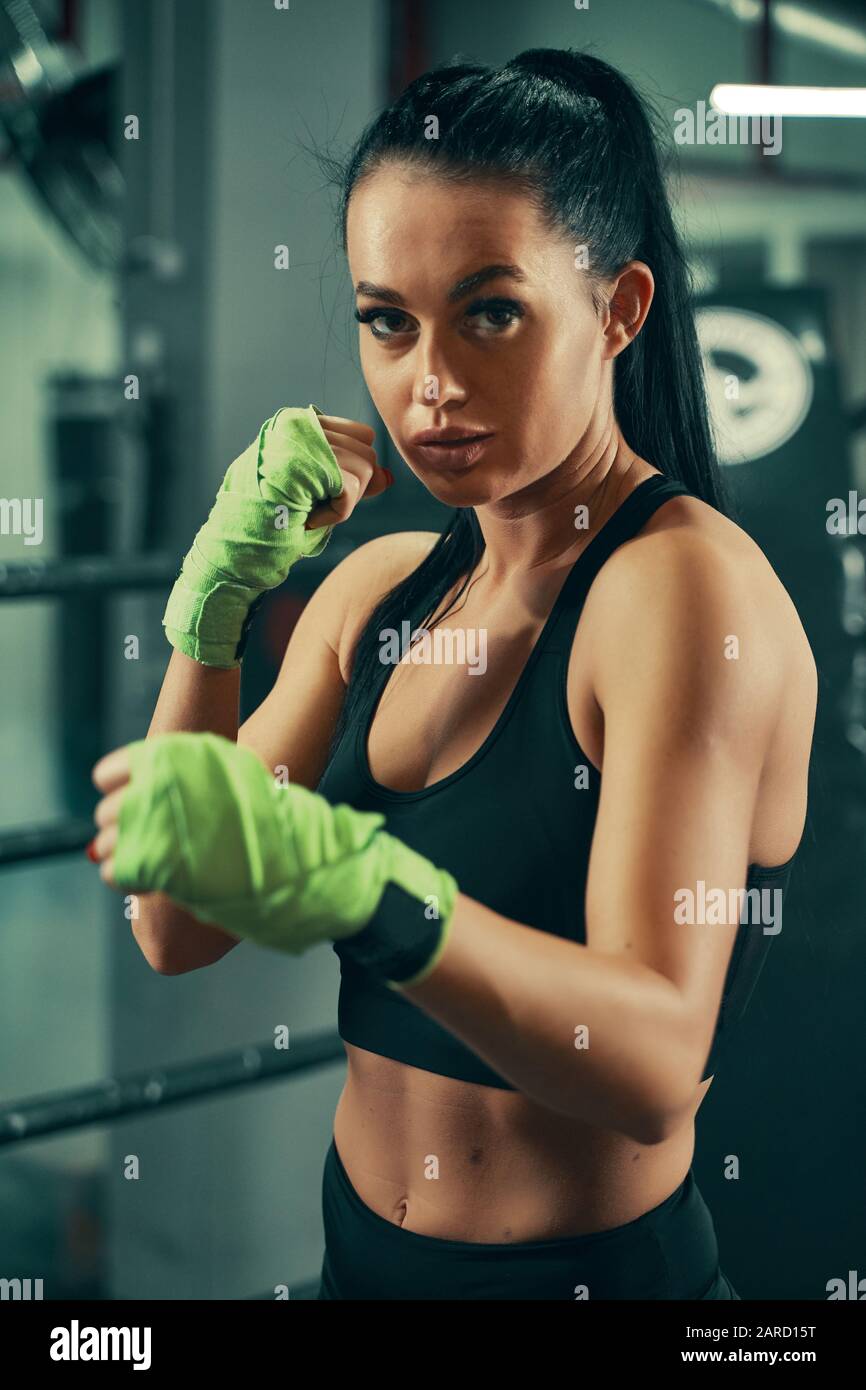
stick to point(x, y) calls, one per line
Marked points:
point(558, 354)
point(377, 365)
point(562, 378)
point(560, 401)
point(375, 378)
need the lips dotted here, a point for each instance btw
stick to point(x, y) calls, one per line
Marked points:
point(452, 434)
point(453, 453)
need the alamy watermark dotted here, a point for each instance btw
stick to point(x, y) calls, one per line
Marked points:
point(718, 907)
point(23, 1289)
point(22, 516)
point(702, 127)
point(444, 646)
point(847, 518)
point(86, 1343)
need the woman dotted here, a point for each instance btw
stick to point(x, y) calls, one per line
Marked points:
point(526, 1055)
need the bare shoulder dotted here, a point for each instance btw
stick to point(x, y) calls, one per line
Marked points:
point(689, 547)
point(696, 576)
point(363, 578)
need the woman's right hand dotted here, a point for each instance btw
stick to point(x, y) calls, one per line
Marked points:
point(352, 444)
point(278, 503)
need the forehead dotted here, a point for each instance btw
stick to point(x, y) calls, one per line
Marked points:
point(398, 217)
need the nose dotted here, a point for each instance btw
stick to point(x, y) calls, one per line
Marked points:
point(436, 380)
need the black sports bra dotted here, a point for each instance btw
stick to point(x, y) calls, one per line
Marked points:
point(511, 828)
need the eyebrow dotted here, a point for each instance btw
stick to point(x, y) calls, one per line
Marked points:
point(458, 291)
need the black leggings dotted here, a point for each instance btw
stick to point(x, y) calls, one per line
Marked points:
point(669, 1252)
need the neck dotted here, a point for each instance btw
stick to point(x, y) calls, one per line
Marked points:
point(554, 518)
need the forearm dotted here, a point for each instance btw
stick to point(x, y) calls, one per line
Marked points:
point(194, 699)
point(197, 699)
point(597, 1037)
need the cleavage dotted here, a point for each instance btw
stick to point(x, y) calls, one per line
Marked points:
point(433, 717)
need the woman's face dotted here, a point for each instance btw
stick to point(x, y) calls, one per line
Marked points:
point(522, 355)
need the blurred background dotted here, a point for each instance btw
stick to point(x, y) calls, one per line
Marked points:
point(152, 157)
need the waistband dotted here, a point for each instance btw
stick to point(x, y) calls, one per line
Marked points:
point(668, 1252)
point(652, 1220)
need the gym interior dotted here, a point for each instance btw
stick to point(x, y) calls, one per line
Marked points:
point(170, 275)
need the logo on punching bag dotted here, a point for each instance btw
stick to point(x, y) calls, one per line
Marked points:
point(759, 382)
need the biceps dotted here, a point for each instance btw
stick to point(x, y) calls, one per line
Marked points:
point(293, 726)
point(670, 848)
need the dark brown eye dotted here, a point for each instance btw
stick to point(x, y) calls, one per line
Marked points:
point(372, 315)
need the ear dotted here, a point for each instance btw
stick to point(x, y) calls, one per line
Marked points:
point(629, 297)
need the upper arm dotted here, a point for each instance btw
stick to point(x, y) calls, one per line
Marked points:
point(294, 724)
point(690, 691)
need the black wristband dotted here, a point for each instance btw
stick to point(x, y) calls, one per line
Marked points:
point(248, 622)
point(398, 940)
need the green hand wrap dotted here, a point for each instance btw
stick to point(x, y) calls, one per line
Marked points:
point(253, 535)
point(203, 821)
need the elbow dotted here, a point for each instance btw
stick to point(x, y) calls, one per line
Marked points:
point(649, 1126)
point(165, 962)
point(655, 1125)
point(670, 1091)
point(668, 1112)
point(159, 960)
point(640, 1118)
point(154, 946)
point(163, 966)
point(173, 942)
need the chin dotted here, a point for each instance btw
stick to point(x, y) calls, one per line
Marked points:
point(458, 492)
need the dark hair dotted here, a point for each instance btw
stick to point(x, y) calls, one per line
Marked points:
point(573, 134)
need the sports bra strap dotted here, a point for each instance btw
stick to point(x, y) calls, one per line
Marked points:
point(628, 519)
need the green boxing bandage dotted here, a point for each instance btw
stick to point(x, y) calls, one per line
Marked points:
point(253, 535)
point(203, 821)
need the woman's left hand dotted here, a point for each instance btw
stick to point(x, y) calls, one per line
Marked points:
point(111, 775)
point(201, 819)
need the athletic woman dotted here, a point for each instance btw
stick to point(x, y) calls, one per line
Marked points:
point(552, 874)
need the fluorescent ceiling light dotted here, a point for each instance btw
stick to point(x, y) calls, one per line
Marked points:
point(803, 25)
point(800, 22)
point(742, 99)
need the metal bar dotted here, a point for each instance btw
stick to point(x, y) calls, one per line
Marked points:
point(119, 1098)
point(89, 574)
point(86, 574)
point(45, 841)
